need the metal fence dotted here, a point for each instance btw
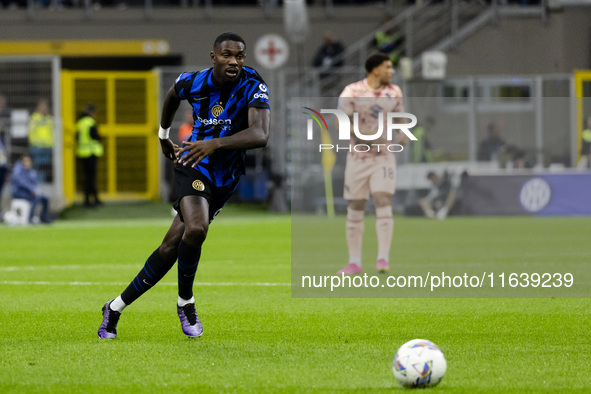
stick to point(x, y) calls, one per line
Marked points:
point(532, 112)
point(30, 98)
point(534, 116)
point(536, 111)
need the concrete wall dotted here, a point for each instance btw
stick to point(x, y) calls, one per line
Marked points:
point(186, 29)
point(515, 46)
point(527, 46)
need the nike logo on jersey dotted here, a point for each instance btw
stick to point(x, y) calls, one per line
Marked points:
point(149, 284)
point(199, 98)
point(188, 276)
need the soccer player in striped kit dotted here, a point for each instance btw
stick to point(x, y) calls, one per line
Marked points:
point(231, 114)
point(373, 171)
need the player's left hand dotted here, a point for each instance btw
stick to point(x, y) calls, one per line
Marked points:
point(196, 151)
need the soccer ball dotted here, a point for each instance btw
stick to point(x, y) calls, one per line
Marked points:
point(419, 363)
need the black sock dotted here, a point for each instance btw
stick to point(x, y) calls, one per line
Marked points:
point(154, 270)
point(188, 262)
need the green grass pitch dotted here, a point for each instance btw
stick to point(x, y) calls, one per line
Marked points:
point(257, 338)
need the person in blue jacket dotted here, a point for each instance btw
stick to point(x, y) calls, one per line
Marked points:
point(24, 185)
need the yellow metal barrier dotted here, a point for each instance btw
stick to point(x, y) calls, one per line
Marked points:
point(85, 47)
point(126, 105)
point(583, 90)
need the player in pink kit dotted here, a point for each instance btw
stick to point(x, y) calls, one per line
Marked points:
point(375, 170)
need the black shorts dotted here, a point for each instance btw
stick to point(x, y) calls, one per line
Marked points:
point(191, 182)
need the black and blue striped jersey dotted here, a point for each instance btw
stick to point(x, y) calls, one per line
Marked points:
point(220, 112)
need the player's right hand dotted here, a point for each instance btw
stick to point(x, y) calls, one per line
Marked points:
point(169, 149)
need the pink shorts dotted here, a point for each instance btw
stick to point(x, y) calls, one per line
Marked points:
point(369, 174)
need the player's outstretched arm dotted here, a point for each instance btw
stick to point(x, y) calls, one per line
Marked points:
point(169, 108)
point(255, 136)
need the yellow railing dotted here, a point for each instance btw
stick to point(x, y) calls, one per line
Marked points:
point(583, 89)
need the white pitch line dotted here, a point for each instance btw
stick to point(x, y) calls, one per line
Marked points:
point(90, 224)
point(102, 267)
point(65, 267)
point(44, 283)
point(86, 267)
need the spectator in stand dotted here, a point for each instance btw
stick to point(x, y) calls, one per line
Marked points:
point(41, 139)
point(328, 55)
point(25, 186)
point(516, 158)
point(4, 129)
point(3, 162)
point(389, 41)
point(585, 161)
point(4, 114)
point(421, 149)
point(493, 145)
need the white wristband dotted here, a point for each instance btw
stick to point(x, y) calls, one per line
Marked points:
point(163, 133)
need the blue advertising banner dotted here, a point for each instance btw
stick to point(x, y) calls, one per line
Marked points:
point(540, 194)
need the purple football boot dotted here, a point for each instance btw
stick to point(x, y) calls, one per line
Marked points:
point(189, 321)
point(108, 328)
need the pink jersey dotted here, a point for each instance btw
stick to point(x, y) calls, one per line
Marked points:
point(368, 103)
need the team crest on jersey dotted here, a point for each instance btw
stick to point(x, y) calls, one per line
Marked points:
point(217, 110)
point(198, 185)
